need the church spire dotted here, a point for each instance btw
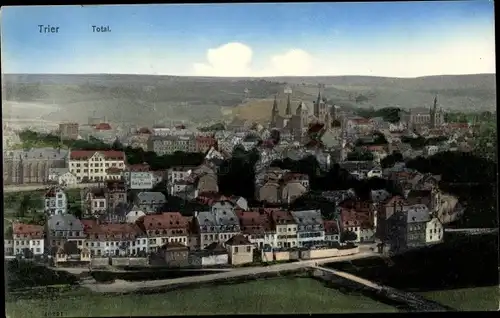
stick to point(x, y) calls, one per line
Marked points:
point(275, 112)
point(275, 104)
point(288, 106)
point(318, 100)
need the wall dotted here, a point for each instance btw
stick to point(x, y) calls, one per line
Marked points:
point(120, 261)
point(267, 256)
point(325, 253)
point(99, 261)
point(138, 261)
point(294, 255)
point(210, 260)
point(282, 256)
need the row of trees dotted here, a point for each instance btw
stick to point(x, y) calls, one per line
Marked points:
point(389, 114)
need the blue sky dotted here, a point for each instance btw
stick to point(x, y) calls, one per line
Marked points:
point(403, 39)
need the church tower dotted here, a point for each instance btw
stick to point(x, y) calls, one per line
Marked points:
point(434, 113)
point(288, 111)
point(320, 108)
point(275, 112)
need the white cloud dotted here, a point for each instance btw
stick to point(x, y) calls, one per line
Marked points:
point(235, 59)
point(460, 56)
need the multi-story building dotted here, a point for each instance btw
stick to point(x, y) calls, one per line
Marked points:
point(94, 201)
point(332, 231)
point(310, 227)
point(116, 193)
point(359, 217)
point(150, 202)
point(256, 227)
point(163, 145)
point(164, 228)
point(204, 143)
point(285, 227)
point(31, 166)
point(62, 228)
point(407, 229)
point(176, 174)
point(27, 236)
point(56, 201)
point(217, 225)
point(112, 239)
point(92, 165)
point(68, 130)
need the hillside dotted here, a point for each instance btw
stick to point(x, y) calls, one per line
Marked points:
point(144, 99)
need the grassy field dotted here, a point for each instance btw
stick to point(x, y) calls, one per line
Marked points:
point(467, 299)
point(293, 295)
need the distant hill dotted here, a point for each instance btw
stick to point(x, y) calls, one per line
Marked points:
point(144, 99)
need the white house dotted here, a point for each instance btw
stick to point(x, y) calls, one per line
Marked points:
point(310, 227)
point(61, 176)
point(110, 239)
point(434, 231)
point(92, 165)
point(56, 201)
point(134, 214)
point(28, 236)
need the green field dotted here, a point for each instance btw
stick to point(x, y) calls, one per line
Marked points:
point(285, 295)
point(467, 299)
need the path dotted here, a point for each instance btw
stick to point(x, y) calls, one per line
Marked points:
point(414, 301)
point(35, 187)
point(124, 286)
point(475, 231)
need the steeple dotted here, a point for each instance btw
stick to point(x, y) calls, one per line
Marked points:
point(275, 104)
point(288, 111)
point(318, 100)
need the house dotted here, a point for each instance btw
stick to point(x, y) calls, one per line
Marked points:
point(112, 239)
point(56, 201)
point(116, 193)
point(27, 236)
point(92, 165)
point(164, 228)
point(332, 231)
point(310, 227)
point(434, 231)
point(139, 180)
point(193, 237)
point(213, 255)
point(94, 201)
point(179, 188)
point(117, 214)
point(64, 227)
point(179, 173)
point(291, 190)
point(269, 192)
point(361, 169)
point(359, 217)
point(285, 227)
point(256, 227)
point(174, 254)
point(8, 244)
point(206, 182)
point(150, 202)
point(69, 254)
point(240, 250)
point(62, 177)
point(134, 213)
point(217, 225)
point(407, 228)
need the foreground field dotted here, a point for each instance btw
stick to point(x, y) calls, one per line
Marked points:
point(467, 299)
point(286, 295)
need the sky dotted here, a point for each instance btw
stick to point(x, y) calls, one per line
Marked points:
point(395, 39)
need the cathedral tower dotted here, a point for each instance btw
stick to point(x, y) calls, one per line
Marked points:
point(275, 112)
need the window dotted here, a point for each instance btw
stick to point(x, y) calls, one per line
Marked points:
point(235, 249)
point(249, 249)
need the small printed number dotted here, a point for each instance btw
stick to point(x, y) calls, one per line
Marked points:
point(53, 314)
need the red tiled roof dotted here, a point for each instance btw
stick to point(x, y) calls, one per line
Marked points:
point(238, 240)
point(103, 126)
point(282, 217)
point(251, 222)
point(351, 217)
point(166, 220)
point(331, 227)
point(110, 230)
point(86, 154)
point(30, 230)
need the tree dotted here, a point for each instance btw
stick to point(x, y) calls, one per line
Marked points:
point(24, 206)
point(117, 145)
point(348, 236)
point(27, 253)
